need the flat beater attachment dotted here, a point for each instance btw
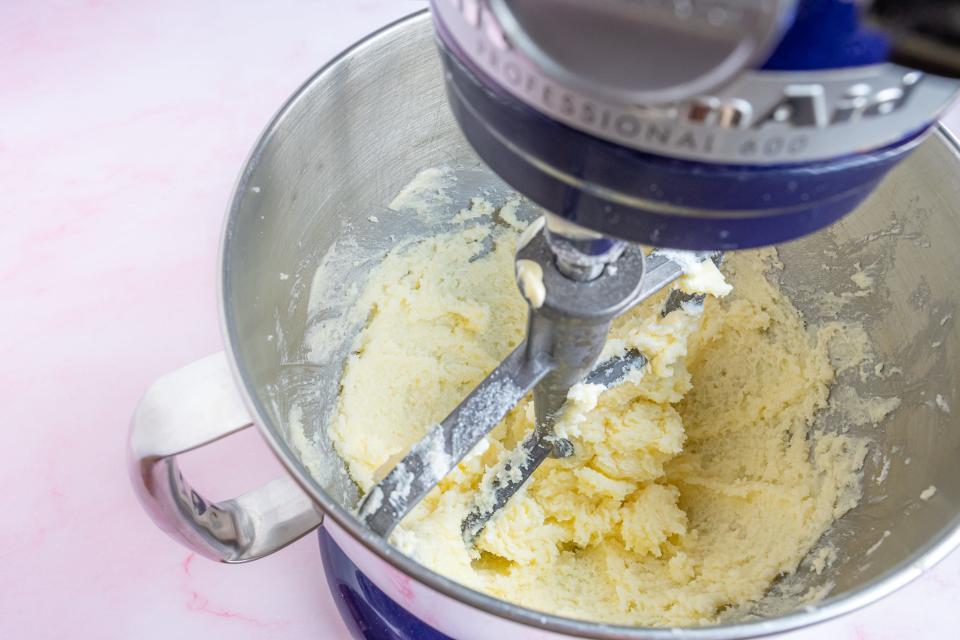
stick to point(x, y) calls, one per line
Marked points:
point(567, 328)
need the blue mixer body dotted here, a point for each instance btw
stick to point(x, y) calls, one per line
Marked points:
point(726, 206)
point(367, 611)
point(827, 34)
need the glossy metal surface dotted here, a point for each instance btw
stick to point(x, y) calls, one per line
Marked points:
point(639, 53)
point(187, 409)
point(725, 116)
point(363, 127)
point(778, 151)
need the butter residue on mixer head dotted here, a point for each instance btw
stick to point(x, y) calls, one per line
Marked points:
point(700, 276)
point(530, 280)
point(693, 485)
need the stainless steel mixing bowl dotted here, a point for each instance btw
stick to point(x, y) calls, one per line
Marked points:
point(337, 153)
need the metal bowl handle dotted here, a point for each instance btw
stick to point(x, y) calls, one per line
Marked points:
point(187, 409)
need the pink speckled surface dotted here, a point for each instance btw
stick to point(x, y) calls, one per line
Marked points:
point(122, 127)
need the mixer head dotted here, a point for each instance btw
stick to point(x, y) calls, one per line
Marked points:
point(701, 125)
point(693, 124)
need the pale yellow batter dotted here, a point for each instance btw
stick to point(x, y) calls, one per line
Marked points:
point(691, 488)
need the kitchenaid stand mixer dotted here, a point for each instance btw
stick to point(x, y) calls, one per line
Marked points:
point(688, 125)
point(611, 170)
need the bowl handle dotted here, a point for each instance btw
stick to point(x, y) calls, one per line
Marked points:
point(187, 409)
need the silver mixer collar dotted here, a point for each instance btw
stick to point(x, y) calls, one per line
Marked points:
point(583, 259)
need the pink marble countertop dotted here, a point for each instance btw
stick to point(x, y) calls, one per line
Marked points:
point(123, 125)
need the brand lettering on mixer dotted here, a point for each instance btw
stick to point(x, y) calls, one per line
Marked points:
point(766, 117)
point(805, 105)
point(777, 128)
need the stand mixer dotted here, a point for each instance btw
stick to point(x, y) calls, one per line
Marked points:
point(694, 126)
point(738, 133)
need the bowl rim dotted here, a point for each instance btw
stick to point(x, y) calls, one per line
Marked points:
point(893, 579)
